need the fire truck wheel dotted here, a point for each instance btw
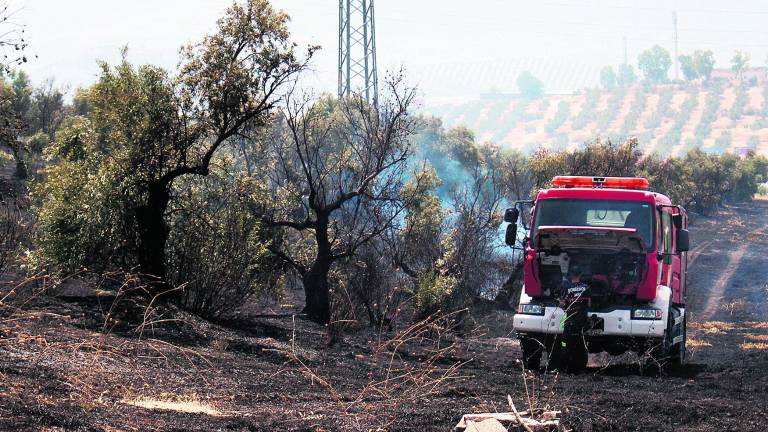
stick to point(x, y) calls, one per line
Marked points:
point(665, 353)
point(532, 351)
point(678, 351)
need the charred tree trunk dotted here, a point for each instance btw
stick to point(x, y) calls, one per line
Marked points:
point(316, 288)
point(153, 234)
point(18, 155)
point(508, 292)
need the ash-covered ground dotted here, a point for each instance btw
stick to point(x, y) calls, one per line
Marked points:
point(75, 362)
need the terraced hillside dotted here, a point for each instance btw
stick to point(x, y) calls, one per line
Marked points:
point(719, 116)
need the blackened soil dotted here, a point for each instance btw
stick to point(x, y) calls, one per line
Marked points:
point(76, 363)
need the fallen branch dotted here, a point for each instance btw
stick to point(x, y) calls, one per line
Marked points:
point(544, 421)
point(517, 414)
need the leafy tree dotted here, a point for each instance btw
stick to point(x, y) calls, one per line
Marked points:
point(460, 143)
point(417, 246)
point(514, 179)
point(655, 63)
point(608, 78)
point(595, 158)
point(711, 174)
point(704, 63)
point(22, 90)
point(559, 118)
point(671, 176)
point(626, 76)
point(635, 110)
point(447, 247)
point(587, 113)
point(605, 116)
point(689, 67)
point(13, 97)
point(47, 109)
point(740, 102)
point(699, 181)
point(751, 172)
point(104, 203)
point(530, 86)
point(739, 62)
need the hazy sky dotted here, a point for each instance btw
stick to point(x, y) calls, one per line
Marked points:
point(449, 48)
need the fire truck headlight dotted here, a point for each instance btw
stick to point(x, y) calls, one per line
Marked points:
point(531, 309)
point(647, 314)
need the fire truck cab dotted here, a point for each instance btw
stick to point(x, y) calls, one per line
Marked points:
point(604, 264)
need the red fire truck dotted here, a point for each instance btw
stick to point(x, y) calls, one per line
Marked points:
point(604, 264)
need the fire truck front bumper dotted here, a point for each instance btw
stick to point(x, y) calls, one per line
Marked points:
point(614, 322)
point(647, 320)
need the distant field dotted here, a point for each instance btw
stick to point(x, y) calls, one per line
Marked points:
point(670, 119)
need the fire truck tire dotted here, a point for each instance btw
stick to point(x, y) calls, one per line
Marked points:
point(532, 351)
point(677, 354)
point(666, 352)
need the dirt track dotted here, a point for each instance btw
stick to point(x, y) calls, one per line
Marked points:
point(61, 372)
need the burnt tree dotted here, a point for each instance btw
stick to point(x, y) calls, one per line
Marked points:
point(334, 183)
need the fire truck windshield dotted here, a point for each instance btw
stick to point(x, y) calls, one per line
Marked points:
point(597, 213)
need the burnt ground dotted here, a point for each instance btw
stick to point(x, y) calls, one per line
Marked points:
point(75, 362)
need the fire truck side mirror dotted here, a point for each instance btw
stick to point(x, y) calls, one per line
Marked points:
point(683, 240)
point(677, 220)
point(511, 215)
point(511, 237)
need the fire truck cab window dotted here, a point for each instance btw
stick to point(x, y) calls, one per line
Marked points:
point(666, 231)
point(597, 213)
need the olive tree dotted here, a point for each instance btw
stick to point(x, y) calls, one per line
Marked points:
point(146, 128)
point(333, 181)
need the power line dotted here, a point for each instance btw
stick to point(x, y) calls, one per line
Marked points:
point(591, 34)
point(655, 9)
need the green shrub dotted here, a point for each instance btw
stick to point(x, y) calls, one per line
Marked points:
point(673, 136)
point(711, 105)
point(587, 113)
point(741, 101)
point(560, 117)
point(722, 143)
point(699, 181)
point(218, 249)
point(432, 290)
point(635, 110)
point(38, 142)
point(662, 110)
point(605, 116)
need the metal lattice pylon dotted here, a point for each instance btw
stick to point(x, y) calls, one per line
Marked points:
point(357, 49)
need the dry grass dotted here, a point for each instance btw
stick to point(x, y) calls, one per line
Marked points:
point(754, 346)
point(757, 337)
point(757, 325)
point(696, 343)
point(170, 402)
point(395, 380)
point(717, 327)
